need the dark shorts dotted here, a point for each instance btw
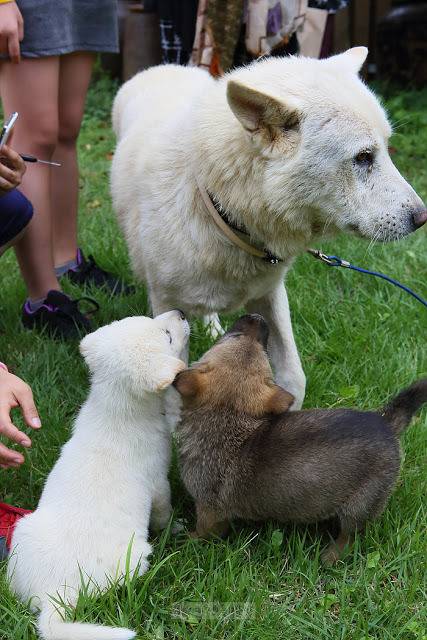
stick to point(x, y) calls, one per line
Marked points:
point(56, 27)
point(16, 212)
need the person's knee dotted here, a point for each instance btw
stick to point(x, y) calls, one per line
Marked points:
point(44, 137)
point(69, 128)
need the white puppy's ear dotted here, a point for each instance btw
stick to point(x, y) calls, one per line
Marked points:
point(165, 373)
point(351, 60)
point(88, 349)
point(267, 119)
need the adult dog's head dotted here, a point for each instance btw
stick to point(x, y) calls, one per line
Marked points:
point(323, 136)
point(137, 354)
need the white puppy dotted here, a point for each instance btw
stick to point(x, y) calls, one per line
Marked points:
point(110, 481)
point(291, 148)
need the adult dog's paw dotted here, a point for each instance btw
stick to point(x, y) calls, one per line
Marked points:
point(213, 326)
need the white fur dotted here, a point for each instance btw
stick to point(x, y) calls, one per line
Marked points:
point(110, 481)
point(287, 185)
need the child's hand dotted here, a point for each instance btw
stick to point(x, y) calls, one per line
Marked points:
point(12, 168)
point(15, 392)
point(11, 31)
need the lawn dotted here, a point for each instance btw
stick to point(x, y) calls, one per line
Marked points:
point(360, 340)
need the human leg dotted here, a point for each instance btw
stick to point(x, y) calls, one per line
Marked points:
point(75, 71)
point(31, 88)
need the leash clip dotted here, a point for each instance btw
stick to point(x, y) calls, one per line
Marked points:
point(332, 261)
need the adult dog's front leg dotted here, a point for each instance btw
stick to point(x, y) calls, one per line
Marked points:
point(281, 344)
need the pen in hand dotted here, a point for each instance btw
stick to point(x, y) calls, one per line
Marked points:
point(34, 159)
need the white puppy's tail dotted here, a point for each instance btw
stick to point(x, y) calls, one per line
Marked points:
point(51, 627)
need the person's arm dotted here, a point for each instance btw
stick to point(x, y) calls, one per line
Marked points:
point(11, 30)
point(14, 392)
point(12, 168)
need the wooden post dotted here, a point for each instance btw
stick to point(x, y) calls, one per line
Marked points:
point(356, 25)
point(141, 42)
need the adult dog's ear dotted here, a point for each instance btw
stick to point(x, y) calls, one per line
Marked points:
point(351, 60)
point(270, 122)
point(165, 373)
point(279, 401)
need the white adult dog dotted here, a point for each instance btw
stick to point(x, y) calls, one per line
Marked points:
point(110, 481)
point(289, 148)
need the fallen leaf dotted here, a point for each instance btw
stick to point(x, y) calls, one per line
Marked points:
point(276, 539)
point(373, 559)
point(328, 600)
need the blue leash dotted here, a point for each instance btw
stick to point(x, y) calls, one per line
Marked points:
point(335, 261)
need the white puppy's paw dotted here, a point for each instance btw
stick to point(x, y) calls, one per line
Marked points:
point(213, 325)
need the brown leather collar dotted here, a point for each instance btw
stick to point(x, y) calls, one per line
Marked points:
point(220, 218)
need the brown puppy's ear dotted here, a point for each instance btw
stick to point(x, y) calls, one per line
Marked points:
point(279, 401)
point(187, 383)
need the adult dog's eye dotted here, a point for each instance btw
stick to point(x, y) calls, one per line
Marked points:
point(364, 159)
point(168, 333)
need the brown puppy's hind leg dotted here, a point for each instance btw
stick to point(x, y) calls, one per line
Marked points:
point(366, 504)
point(209, 523)
point(333, 552)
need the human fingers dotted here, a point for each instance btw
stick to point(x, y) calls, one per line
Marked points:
point(20, 26)
point(8, 429)
point(10, 175)
point(5, 185)
point(24, 397)
point(3, 45)
point(9, 458)
point(13, 159)
point(14, 48)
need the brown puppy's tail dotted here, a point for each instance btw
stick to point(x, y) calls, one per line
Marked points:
point(401, 409)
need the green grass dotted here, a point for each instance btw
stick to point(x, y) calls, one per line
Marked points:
point(360, 340)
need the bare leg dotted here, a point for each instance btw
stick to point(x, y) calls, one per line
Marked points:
point(281, 345)
point(31, 88)
point(75, 71)
point(209, 523)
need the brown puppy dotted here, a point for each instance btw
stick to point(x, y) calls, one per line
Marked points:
point(243, 455)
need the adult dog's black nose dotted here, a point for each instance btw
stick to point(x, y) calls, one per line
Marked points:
point(181, 314)
point(252, 325)
point(419, 218)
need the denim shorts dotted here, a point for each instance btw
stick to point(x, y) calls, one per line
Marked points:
point(57, 27)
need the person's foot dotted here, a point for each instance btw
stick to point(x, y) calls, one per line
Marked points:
point(59, 316)
point(87, 272)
